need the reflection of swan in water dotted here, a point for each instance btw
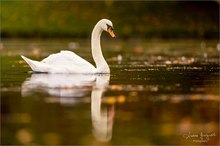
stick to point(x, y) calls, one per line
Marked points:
point(76, 85)
point(60, 87)
point(102, 120)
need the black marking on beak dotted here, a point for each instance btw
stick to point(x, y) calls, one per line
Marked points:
point(109, 27)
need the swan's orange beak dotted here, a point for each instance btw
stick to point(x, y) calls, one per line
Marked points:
point(110, 31)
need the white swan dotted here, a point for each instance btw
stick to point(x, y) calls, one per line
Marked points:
point(69, 62)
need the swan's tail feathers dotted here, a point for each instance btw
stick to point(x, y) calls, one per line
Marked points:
point(36, 66)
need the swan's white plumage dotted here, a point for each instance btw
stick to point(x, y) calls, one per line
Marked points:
point(63, 62)
point(69, 62)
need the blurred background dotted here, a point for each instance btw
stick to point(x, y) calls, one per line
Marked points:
point(163, 19)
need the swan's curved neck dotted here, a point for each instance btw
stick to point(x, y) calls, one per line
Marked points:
point(101, 64)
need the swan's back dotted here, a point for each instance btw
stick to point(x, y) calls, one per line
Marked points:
point(62, 62)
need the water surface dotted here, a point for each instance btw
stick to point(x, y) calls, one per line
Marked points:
point(159, 92)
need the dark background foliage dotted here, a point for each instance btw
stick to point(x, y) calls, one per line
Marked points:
point(165, 19)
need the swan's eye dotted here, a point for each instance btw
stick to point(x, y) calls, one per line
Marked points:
point(109, 27)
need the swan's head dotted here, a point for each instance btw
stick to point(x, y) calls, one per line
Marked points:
point(107, 25)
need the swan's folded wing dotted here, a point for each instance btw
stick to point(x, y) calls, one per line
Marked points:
point(69, 62)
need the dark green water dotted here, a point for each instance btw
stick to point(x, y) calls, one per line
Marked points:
point(159, 92)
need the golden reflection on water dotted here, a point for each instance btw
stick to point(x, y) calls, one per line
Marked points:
point(24, 136)
point(75, 89)
point(164, 112)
